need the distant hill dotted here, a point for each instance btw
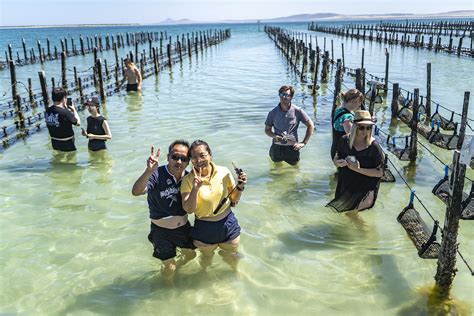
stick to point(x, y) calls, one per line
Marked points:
point(334, 17)
point(174, 22)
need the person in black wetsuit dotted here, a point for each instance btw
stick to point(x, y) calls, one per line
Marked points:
point(98, 130)
point(170, 227)
point(360, 161)
point(344, 115)
point(59, 119)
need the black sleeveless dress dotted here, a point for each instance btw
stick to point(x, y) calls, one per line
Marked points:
point(94, 126)
point(352, 186)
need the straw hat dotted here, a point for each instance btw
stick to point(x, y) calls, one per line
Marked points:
point(363, 117)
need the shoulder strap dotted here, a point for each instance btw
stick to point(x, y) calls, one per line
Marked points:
point(344, 111)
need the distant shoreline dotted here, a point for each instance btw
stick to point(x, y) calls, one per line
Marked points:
point(65, 25)
point(290, 19)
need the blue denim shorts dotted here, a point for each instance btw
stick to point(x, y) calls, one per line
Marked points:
point(216, 232)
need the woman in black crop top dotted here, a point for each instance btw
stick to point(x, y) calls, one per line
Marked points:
point(98, 130)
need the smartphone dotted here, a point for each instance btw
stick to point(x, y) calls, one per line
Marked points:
point(69, 102)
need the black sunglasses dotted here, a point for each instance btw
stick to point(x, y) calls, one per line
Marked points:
point(177, 157)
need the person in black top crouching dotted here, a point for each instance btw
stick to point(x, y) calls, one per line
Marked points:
point(98, 130)
point(59, 119)
point(170, 227)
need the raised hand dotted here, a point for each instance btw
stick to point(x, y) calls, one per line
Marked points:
point(152, 161)
point(197, 183)
point(242, 180)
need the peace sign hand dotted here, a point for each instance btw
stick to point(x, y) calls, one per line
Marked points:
point(152, 161)
point(197, 182)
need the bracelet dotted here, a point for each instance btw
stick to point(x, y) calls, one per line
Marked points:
point(240, 189)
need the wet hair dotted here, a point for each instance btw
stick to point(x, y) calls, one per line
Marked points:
point(178, 142)
point(130, 62)
point(352, 94)
point(198, 143)
point(58, 94)
point(284, 88)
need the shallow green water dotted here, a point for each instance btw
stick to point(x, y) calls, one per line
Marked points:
point(73, 239)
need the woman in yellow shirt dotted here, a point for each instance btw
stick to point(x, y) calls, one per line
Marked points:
point(204, 192)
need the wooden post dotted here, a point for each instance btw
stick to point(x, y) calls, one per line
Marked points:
point(343, 61)
point(428, 93)
point(63, 70)
point(325, 68)
point(116, 54)
point(414, 127)
point(44, 89)
point(395, 96)
point(446, 269)
point(24, 49)
point(362, 62)
point(358, 81)
point(332, 50)
point(81, 40)
point(315, 75)
point(40, 52)
point(101, 80)
point(81, 92)
point(155, 60)
point(373, 94)
point(11, 65)
point(168, 49)
point(48, 45)
point(387, 61)
point(19, 112)
point(337, 88)
point(10, 53)
point(30, 93)
point(75, 75)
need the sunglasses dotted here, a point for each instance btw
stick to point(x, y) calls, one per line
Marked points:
point(284, 95)
point(364, 127)
point(176, 157)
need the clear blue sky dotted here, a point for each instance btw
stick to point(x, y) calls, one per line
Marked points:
point(49, 12)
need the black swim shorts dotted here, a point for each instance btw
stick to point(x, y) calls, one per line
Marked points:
point(166, 240)
point(132, 87)
point(63, 145)
point(284, 153)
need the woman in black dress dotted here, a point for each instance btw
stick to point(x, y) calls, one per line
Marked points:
point(360, 161)
point(98, 130)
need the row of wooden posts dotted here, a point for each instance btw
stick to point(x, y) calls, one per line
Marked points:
point(445, 28)
point(100, 79)
point(446, 264)
point(101, 42)
point(392, 38)
point(185, 45)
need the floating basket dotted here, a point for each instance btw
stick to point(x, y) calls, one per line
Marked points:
point(419, 233)
point(441, 190)
point(401, 153)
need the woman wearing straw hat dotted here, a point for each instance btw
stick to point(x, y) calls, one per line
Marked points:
point(360, 161)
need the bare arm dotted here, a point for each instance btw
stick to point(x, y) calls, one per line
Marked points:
point(347, 126)
point(269, 132)
point(309, 131)
point(139, 187)
point(138, 76)
point(242, 180)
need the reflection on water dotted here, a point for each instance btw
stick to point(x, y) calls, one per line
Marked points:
point(73, 239)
